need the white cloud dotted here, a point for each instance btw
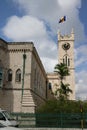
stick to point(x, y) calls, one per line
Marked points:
point(49, 63)
point(42, 15)
point(81, 85)
point(81, 55)
point(24, 28)
point(51, 11)
point(79, 62)
point(28, 28)
point(81, 75)
point(69, 4)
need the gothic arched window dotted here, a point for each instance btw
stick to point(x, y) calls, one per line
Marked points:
point(9, 75)
point(18, 75)
point(66, 60)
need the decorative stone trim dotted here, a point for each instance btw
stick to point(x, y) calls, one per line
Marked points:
point(18, 50)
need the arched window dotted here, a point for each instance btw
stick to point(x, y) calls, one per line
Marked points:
point(66, 60)
point(9, 75)
point(18, 75)
point(1, 77)
point(50, 86)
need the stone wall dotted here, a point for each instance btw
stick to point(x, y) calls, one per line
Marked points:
point(22, 96)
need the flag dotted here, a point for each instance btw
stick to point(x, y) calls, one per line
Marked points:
point(62, 19)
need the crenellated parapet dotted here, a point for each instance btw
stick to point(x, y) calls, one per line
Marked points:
point(15, 47)
point(66, 37)
point(18, 50)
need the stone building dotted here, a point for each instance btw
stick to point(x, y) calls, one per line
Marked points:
point(65, 55)
point(22, 77)
point(24, 84)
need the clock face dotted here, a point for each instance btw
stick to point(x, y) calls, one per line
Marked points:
point(66, 46)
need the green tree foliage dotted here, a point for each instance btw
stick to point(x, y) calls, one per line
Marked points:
point(62, 70)
point(62, 106)
point(64, 89)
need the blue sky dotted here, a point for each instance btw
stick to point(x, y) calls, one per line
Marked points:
point(37, 21)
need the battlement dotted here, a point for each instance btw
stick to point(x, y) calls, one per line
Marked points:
point(66, 37)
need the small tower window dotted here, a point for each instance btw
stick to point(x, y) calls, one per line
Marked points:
point(10, 75)
point(68, 62)
point(1, 78)
point(50, 86)
point(63, 61)
point(18, 75)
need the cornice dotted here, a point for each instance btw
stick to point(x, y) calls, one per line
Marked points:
point(18, 50)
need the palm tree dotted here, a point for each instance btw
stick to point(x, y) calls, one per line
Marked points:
point(62, 70)
point(64, 89)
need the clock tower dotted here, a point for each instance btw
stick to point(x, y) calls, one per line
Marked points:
point(66, 56)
